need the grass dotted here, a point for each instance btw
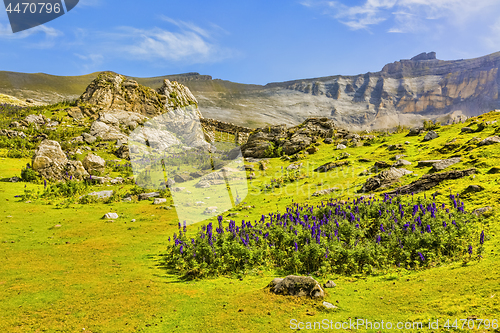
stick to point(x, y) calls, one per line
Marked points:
point(109, 276)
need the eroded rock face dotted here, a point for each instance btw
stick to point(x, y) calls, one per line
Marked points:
point(114, 92)
point(51, 163)
point(293, 285)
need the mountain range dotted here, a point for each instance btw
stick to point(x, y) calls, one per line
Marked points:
point(405, 92)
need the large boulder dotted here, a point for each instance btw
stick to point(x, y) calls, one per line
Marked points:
point(384, 179)
point(293, 285)
point(51, 163)
point(94, 164)
point(431, 135)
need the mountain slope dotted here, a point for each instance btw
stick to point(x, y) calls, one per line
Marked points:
point(403, 93)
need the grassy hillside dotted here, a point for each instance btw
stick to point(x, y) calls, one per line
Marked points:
point(67, 270)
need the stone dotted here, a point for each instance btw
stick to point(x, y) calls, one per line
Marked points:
point(294, 166)
point(400, 163)
point(75, 113)
point(210, 210)
point(35, 119)
point(110, 216)
point(329, 284)
point(127, 199)
point(88, 138)
point(328, 141)
point(14, 179)
point(300, 286)
point(384, 179)
point(341, 146)
point(123, 152)
point(382, 165)
point(312, 150)
point(94, 164)
point(51, 163)
point(426, 163)
point(159, 201)
point(443, 164)
point(203, 184)
point(428, 181)
point(331, 165)
point(394, 147)
point(473, 189)
point(181, 178)
point(481, 211)
point(325, 191)
point(117, 180)
point(147, 196)
point(489, 141)
point(102, 194)
point(274, 282)
point(466, 130)
point(329, 305)
point(415, 131)
point(431, 135)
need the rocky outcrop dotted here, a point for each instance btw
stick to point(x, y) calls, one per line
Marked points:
point(114, 92)
point(51, 163)
point(293, 285)
point(263, 141)
point(428, 181)
point(384, 179)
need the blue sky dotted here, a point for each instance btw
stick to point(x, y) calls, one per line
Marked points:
point(250, 41)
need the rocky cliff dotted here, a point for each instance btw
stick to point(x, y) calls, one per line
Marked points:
point(405, 92)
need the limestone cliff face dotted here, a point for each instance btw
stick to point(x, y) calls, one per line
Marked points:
point(114, 92)
point(406, 91)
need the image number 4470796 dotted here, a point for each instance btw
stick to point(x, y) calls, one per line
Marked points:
point(25, 15)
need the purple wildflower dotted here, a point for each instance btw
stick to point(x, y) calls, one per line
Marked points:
point(421, 257)
point(481, 238)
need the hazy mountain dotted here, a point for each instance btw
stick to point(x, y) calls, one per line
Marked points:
point(404, 92)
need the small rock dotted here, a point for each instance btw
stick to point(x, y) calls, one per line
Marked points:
point(14, 179)
point(481, 211)
point(329, 305)
point(474, 188)
point(133, 220)
point(159, 201)
point(329, 284)
point(400, 163)
point(127, 199)
point(341, 146)
point(146, 196)
point(325, 191)
point(110, 216)
point(466, 130)
point(328, 141)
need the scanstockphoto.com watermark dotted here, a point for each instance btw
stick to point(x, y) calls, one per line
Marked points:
point(357, 324)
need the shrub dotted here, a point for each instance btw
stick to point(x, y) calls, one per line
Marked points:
point(361, 236)
point(28, 174)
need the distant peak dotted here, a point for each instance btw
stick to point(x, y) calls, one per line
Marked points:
point(425, 56)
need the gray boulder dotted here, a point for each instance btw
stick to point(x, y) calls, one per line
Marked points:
point(384, 179)
point(159, 201)
point(489, 141)
point(443, 164)
point(400, 163)
point(102, 194)
point(88, 138)
point(298, 286)
point(431, 135)
point(341, 146)
point(94, 164)
point(51, 163)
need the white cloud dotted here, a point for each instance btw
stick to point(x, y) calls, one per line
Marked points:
point(405, 15)
point(189, 44)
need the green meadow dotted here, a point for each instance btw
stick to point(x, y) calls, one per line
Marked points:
point(65, 269)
